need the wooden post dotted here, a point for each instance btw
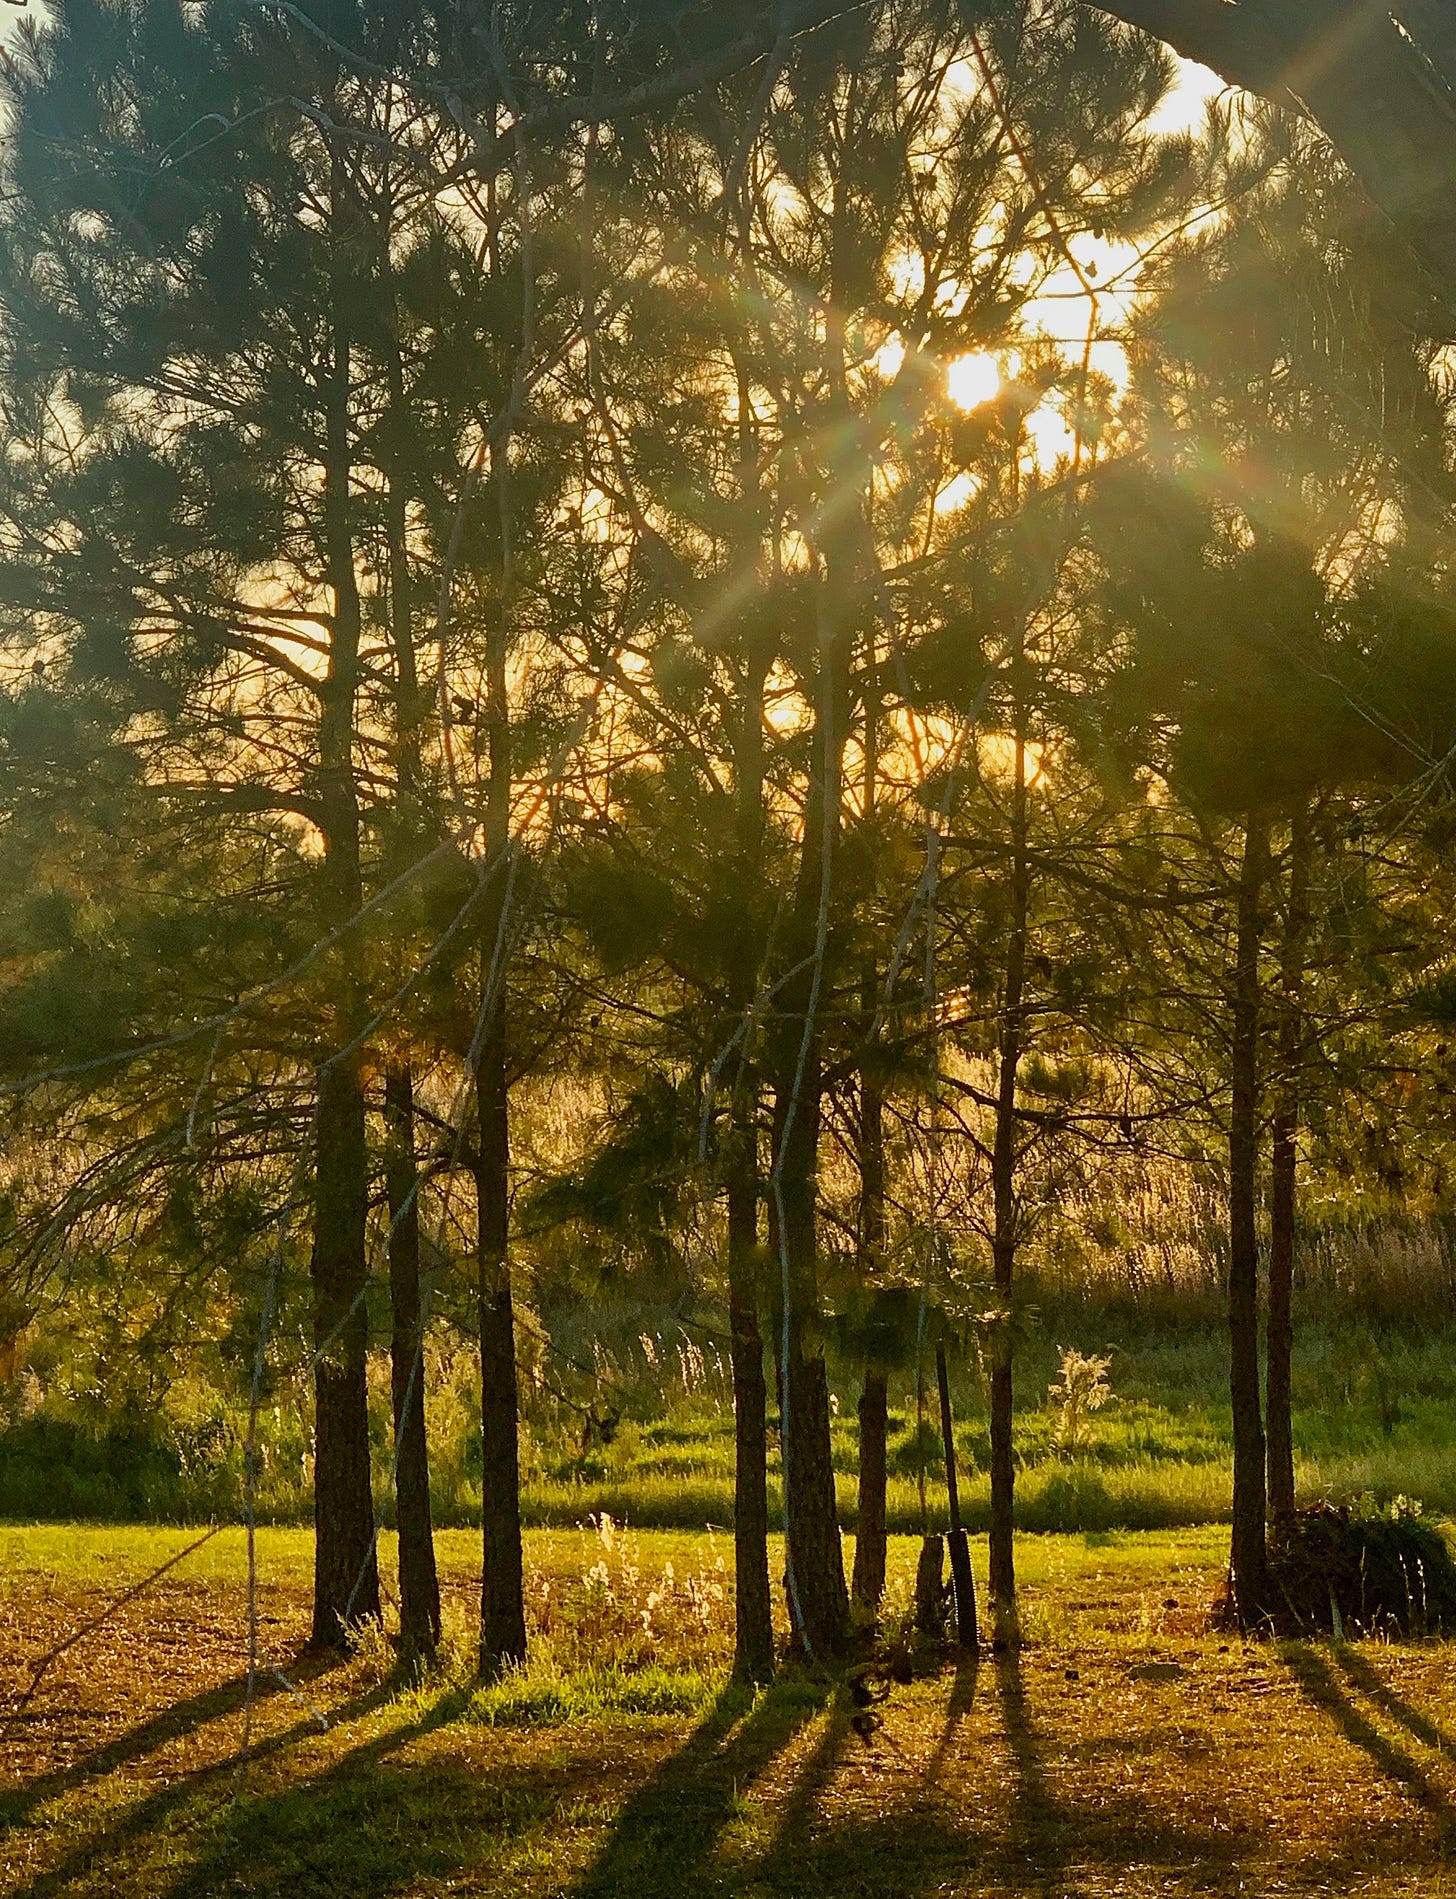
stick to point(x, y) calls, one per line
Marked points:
point(962, 1581)
point(930, 1588)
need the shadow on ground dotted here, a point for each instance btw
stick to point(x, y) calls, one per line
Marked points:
point(770, 1794)
point(1316, 1675)
point(154, 1831)
point(178, 1722)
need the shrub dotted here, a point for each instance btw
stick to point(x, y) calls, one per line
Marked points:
point(1361, 1571)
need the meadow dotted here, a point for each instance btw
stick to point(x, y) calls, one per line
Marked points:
point(1125, 1751)
point(1374, 1417)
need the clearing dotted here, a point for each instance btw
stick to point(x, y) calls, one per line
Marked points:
point(1124, 1752)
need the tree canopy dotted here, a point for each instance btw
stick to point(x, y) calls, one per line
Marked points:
point(758, 664)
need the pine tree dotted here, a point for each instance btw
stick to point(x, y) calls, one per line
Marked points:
point(1235, 585)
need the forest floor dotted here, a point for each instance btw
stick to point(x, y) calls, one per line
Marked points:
point(1124, 1751)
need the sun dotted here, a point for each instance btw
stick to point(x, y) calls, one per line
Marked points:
point(972, 380)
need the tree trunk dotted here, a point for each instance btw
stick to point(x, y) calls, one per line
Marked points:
point(1283, 1166)
point(870, 1537)
point(930, 1588)
point(346, 1575)
point(963, 1583)
point(868, 1583)
point(753, 1642)
point(818, 1600)
point(1283, 1160)
point(502, 1591)
point(1002, 1564)
point(1247, 1547)
point(419, 1586)
point(1002, 1560)
point(753, 1649)
point(814, 1562)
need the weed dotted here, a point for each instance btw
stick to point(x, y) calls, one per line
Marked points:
point(1080, 1388)
point(642, 1617)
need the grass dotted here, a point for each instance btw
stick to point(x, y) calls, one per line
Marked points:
point(1126, 1754)
point(531, 1699)
point(107, 1558)
point(1375, 1413)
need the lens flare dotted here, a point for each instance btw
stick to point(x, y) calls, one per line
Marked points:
point(972, 380)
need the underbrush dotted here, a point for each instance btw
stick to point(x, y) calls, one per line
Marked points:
point(642, 1615)
point(1366, 1571)
point(666, 1625)
point(533, 1697)
point(1375, 1411)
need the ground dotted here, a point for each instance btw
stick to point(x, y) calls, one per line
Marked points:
point(1125, 1751)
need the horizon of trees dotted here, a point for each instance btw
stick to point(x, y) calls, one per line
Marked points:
point(834, 659)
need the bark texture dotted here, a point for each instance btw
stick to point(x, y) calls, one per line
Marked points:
point(868, 1583)
point(502, 1591)
point(419, 1585)
point(753, 1642)
point(869, 1540)
point(930, 1587)
point(1283, 1178)
point(1278, 1374)
point(818, 1599)
point(753, 1652)
point(963, 1584)
point(346, 1574)
point(1002, 1561)
point(1247, 1552)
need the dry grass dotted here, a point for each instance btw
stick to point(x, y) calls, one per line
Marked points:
point(1125, 1752)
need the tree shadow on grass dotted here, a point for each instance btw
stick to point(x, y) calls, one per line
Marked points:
point(1039, 1823)
point(663, 1840)
point(910, 1852)
point(1049, 1835)
point(903, 1839)
point(796, 1816)
point(957, 1709)
point(364, 1824)
point(795, 1845)
point(163, 1812)
point(1322, 1689)
point(1372, 1684)
point(371, 1826)
point(171, 1723)
point(671, 1825)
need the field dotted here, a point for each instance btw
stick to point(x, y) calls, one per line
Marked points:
point(1374, 1414)
point(1126, 1751)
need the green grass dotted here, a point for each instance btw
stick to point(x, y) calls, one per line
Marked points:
point(1126, 1754)
point(110, 1557)
point(98, 1556)
point(1375, 1412)
point(530, 1699)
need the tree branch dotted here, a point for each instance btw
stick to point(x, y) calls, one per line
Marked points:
point(1377, 85)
